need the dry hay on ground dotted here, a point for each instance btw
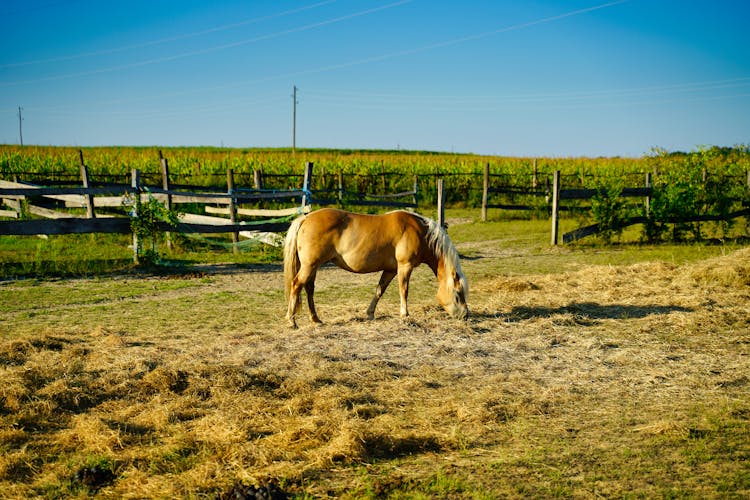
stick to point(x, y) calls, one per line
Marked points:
point(600, 381)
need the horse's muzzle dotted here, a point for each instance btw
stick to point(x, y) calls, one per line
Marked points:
point(460, 312)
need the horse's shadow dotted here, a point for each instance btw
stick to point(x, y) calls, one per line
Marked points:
point(585, 312)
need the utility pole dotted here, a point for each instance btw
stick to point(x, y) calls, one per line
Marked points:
point(20, 127)
point(294, 120)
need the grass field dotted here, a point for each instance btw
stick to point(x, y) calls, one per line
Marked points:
point(584, 371)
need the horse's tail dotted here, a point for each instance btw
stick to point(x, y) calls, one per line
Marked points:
point(291, 259)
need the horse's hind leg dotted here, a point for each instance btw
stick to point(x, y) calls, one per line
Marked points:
point(385, 280)
point(310, 292)
point(305, 278)
point(293, 303)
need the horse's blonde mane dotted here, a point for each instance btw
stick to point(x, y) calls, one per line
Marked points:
point(441, 244)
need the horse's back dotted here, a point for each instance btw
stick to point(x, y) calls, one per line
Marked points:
point(360, 242)
point(328, 220)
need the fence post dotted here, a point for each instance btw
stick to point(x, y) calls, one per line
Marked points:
point(165, 185)
point(535, 177)
point(306, 194)
point(416, 191)
point(648, 198)
point(258, 179)
point(232, 208)
point(440, 202)
point(341, 187)
point(485, 191)
point(85, 178)
point(165, 180)
point(135, 184)
point(555, 205)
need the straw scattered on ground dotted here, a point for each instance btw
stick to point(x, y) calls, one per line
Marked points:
point(598, 381)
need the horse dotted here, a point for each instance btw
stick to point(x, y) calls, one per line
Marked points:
point(394, 243)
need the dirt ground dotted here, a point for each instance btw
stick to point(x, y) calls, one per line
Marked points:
point(593, 381)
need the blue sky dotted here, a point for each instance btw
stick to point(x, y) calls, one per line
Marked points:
point(531, 78)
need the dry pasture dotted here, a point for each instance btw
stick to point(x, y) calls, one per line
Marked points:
point(596, 381)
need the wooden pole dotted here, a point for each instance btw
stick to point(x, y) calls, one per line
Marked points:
point(485, 191)
point(85, 178)
point(135, 184)
point(555, 206)
point(648, 198)
point(341, 187)
point(258, 179)
point(535, 177)
point(440, 202)
point(416, 191)
point(165, 184)
point(306, 196)
point(232, 208)
point(165, 180)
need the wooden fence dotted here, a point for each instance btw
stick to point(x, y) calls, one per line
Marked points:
point(341, 196)
point(534, 189)
point(21, 197)
point(18, 196)
point(553, 194)
point(559, 194)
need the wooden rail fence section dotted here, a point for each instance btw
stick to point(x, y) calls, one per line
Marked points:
point(57, 222)
point(646, 192)
point(554, 194)
point(18, 196)
point(488, 190)
point(346, 197)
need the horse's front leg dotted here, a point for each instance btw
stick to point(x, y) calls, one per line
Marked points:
point(385, 280)
point(404, 272)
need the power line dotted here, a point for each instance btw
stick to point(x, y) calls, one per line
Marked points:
point(331, 67)
point(374, 99)
point(175, 38)
point(208, 50)
point(464, 39)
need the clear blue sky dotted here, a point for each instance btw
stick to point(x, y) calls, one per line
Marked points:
point(522, 78)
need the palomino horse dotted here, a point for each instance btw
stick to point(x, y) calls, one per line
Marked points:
point(394, 243)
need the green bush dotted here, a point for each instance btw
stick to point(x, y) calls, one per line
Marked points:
point(145, 221)
point(609, 209)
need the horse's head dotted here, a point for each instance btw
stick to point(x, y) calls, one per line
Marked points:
point(453, 289)
point(452, 294)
